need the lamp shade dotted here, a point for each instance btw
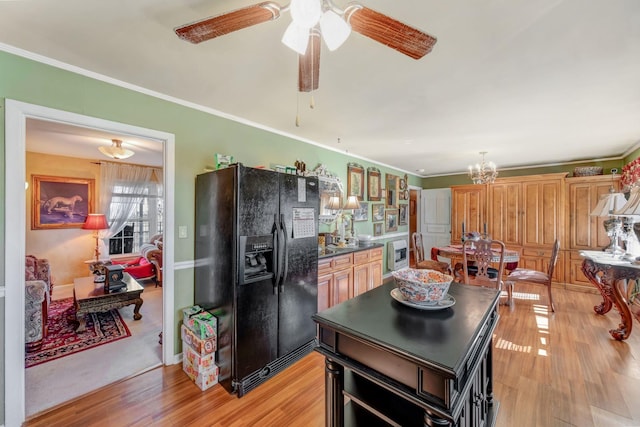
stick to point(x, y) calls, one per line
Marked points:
point(608, 204)
point(95, 222)
point(334, 203)
point(352, 203)
point(632, 207)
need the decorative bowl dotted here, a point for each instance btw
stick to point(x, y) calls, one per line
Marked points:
point(422, 285)
point(587, 170)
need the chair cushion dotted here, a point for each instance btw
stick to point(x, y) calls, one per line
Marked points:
point(528, 275)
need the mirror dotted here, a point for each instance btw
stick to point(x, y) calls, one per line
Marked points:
point(331, 194)
point(330, 189)
point(392, 184)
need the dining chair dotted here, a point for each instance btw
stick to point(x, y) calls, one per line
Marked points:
point(478, 256)
point(539, 277)
point(421, 262)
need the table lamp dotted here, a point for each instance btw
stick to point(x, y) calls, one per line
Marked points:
point(606, 206)
point(96, 222)
point(352, 204)
point(631, 212)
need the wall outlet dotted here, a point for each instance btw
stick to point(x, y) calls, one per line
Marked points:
point(182, 232)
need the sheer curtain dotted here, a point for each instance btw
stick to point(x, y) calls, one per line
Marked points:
point(121, 179)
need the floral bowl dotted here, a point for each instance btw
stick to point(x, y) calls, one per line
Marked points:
point(422, 285)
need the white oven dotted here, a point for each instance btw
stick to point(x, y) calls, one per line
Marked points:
point(397, 255)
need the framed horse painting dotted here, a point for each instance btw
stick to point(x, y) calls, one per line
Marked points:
point(59, 202)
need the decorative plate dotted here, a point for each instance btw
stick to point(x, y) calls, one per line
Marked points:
point(446, 302)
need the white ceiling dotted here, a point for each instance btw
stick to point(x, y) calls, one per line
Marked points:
point(530, 82)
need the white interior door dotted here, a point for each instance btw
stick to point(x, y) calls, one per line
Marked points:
point(435, 218)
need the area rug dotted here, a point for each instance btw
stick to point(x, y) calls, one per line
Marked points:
point(62, 339)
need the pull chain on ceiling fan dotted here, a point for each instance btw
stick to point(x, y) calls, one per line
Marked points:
point(311, 20)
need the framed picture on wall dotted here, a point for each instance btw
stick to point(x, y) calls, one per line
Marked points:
point(391, 220)
point(402, 215)
point(374, 187)
point(355, 180)
point(377, 228)
point(59, 202)
point(362, 213)
point(377, 212)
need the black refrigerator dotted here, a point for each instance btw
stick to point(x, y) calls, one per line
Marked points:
point(256, 269)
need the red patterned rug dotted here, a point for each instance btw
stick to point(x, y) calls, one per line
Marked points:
point(62, 339)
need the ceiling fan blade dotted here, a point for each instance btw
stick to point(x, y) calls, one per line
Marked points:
point(220, 25)
point(309, 64)
point(388, 31)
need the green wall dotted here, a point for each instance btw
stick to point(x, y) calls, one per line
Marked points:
point(198, 136)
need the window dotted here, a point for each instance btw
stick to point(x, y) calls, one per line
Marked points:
point(144, 222)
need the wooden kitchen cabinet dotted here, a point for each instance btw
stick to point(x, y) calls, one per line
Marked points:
point(585, 232)
point(543, 210)
point(367, 270)
point(342, 277)
point(468, 205)
point(335, 280)
point(504, 221)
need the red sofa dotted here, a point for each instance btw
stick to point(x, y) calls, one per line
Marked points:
point(148, 265)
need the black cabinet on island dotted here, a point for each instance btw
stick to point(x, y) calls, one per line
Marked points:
point(399, 365)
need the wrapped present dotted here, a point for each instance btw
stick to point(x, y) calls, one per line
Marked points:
point(199, 361)
point(200, 346)
point(203, 324)
point(190, 311)
point(203, 379)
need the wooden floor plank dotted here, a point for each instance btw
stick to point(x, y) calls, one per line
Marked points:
point(550, 369)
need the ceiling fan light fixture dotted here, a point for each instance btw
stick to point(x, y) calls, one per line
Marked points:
point(296, 38)
point(306, 13)
point(115, 151)
point(335, 30)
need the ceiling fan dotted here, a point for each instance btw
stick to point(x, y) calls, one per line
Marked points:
point(312, 20)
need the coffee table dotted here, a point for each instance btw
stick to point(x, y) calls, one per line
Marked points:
point(89, 297)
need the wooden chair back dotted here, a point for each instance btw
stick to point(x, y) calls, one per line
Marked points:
point(418, 247)
point(482, 253)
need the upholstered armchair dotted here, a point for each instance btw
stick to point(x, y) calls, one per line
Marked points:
point(38, 288)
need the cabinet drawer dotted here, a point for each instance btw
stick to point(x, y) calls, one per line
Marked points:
point(361, 257)
point(536, 252)
point(375, 254)
point(324, 266)
point(342, 261)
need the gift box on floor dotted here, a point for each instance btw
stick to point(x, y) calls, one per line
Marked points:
point(199, 361)
point(203, 379)
point(190, 311)
point(201, 346)
point(203, 324)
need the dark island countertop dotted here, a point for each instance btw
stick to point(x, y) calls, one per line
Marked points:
point(328, 252)
point(441, 338)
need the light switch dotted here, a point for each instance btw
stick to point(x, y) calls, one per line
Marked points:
point(182, 232)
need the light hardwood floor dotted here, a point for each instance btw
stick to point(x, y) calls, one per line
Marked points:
point(550, 369)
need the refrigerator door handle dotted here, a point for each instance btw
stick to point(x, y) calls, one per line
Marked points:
point(275, 262)
point(285, 256)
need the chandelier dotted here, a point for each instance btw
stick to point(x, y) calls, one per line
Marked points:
point(483, 173)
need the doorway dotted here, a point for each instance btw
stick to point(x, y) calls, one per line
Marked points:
point(16, 115)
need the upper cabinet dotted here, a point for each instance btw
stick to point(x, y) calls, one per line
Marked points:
point(583, 193)
point(520, 211)
point(468, 207)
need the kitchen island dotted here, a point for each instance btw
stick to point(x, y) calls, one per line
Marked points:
point(398, 365)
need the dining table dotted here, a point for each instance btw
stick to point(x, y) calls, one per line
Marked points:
point(454, 252)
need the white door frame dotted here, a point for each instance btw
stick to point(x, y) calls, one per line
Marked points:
point(16, 114)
